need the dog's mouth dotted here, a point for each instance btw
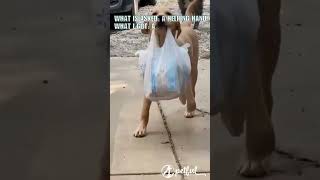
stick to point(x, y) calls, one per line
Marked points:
point(161, 25)
point(161, 22)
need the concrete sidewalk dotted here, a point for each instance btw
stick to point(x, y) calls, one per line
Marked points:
point(171, 139)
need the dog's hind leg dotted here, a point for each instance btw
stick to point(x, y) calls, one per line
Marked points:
point(196, 25)
point(194, 77)
point(144, 119)
point(270, 40)
point(260, 134)
point(260, 138)
point(194, 54)
point(199, 12)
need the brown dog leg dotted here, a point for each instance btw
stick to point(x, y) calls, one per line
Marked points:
point(259, 129)
point(270, 40)
point(191, 103)
point(142, 127)
point(194, 77)
point(260, 139)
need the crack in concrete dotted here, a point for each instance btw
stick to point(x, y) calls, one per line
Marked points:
point(170, 139)
point(204, 112)
point(306, 162)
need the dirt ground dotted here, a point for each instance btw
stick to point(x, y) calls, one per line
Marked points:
point(126, 42)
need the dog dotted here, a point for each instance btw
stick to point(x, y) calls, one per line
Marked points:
point(184, 34)
point(183, 4)
point(191, 8)
point(195, 8)
point(246, 75)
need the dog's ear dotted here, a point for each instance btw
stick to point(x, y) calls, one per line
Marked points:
point(146, 30)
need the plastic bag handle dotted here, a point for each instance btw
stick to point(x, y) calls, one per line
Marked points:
point(186, 45)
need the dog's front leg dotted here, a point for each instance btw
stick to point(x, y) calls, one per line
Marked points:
point(144, 119)
point(260, 140)
point(260, 134)
point(191, 102)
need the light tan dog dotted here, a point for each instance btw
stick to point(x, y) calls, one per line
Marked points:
point(184, 34)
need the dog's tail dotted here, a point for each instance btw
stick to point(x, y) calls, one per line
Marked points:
point(195, 7)
point(190, 12)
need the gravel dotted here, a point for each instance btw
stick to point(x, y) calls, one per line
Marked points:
point(125, 43)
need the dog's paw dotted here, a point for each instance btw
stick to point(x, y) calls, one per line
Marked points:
point(189, 114)
point(252, 168)
point(141, 131)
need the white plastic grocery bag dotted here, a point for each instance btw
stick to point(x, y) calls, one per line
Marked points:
point(165, 69)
